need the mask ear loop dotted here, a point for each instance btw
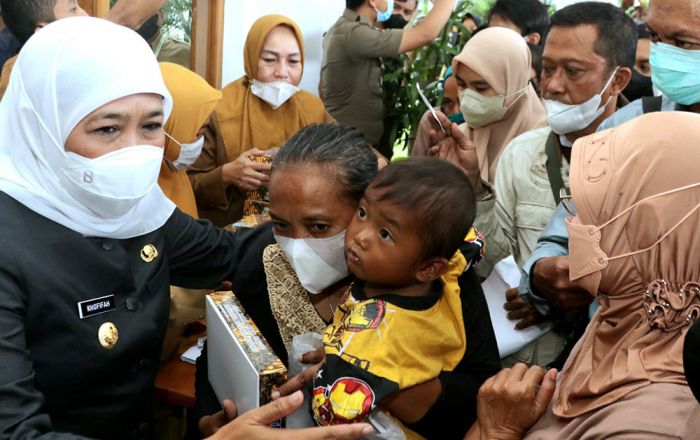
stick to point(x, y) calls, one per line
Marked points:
point(666, 234)
point(607, 84)
point(518, 94)
point(171, 138)
point(168, 162)
point(673, 228)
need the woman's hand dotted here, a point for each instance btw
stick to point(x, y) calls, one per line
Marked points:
point(454, 146)
point(316, 357)
point(255, 424)
point(209, 425)
point(245, 174)
point(510, 402)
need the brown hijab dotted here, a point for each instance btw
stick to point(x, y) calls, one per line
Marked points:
point(637, 192)
point(248, 122)
point(501, 57)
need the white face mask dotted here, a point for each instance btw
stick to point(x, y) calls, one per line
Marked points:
point(189, 153)
point(110, 185)
point(569, 118)
point(318, 262)
point(274, 93)
point(479, 110)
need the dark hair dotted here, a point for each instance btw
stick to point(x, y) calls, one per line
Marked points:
point(536, 56)
point(340, 148)
point(475, 18)
point(530, 16)
point(150, 28)
point(438, 194)
point(22, 16)
point(396, 21)
point(353, 5)
point(643, 32)
point(617, 33)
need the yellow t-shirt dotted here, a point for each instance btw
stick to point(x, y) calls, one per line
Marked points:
point(376, 346)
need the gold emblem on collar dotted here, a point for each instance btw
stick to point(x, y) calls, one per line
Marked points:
point(108, 335)
point(149, 253)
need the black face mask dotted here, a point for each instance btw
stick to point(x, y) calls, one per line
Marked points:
point(638, 87)
point(149, 29)
point(396, 21)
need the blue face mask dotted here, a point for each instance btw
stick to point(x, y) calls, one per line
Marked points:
point(384, 16)
point(676, 72)
point(457, 118)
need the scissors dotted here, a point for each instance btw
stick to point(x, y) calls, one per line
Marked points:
point(430, 107)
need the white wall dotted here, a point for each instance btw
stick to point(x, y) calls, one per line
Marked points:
point(314, 17)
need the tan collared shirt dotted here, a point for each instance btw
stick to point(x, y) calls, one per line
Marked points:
point(512, 221)
point(351, 72)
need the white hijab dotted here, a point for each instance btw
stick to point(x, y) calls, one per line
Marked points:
point(64, 72)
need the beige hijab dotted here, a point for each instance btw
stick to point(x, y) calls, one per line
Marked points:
point(502, 58)
point(637, 192)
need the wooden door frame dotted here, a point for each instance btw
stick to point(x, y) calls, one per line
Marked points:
point(207, 35)
point(95, 8)
point(208, 39)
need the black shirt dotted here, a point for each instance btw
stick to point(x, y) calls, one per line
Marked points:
point(55, 375)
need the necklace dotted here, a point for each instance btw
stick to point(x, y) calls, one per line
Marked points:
point(342, 299)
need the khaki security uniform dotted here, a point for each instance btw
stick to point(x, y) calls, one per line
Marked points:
point(351, 72)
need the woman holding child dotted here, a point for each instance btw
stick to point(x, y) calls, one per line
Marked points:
point(317, 182)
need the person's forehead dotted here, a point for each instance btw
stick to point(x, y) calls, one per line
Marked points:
point(451, 83)
point(466, 74)
point(306, 184)
point(389, 210)
point(572, 42)
point(409, 5)
point(281, 38)
point(675, 18)
point(63, 4)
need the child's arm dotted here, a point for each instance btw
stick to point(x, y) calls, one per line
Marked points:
point(455, 409)
point(412, 404)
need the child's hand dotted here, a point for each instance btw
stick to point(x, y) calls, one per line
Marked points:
point(302, 379)
point(521, 310)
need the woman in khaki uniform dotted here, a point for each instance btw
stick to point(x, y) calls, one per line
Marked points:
point(258, 112)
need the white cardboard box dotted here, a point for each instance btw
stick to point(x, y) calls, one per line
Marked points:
point(242, 366)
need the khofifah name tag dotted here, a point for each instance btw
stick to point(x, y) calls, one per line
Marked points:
point(96, 306)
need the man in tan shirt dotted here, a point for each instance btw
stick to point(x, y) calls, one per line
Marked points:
point(351, 69)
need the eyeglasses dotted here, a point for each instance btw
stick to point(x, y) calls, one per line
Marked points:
point(566, 201)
